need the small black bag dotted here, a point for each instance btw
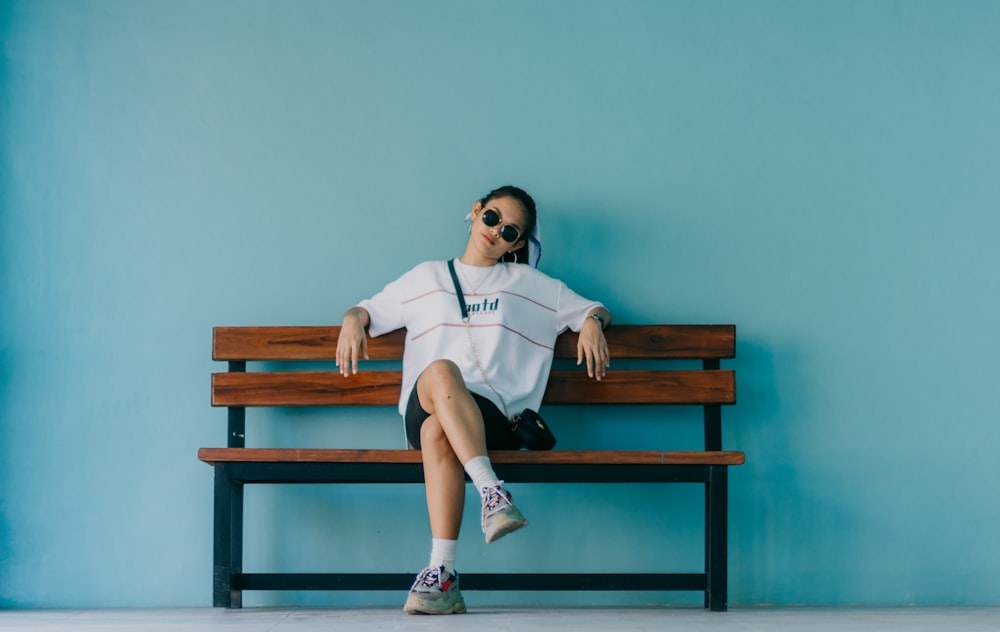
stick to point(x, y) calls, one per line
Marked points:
point(532, 430)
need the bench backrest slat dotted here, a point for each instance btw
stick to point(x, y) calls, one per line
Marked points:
point(381, 388)
point(624, 341)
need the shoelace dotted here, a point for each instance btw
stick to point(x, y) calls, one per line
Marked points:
point(495, 497)
point(430, 577)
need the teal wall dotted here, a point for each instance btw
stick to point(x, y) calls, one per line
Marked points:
point(822, 174)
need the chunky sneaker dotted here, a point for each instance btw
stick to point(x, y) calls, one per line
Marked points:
point(435, 592)
point(500, 516)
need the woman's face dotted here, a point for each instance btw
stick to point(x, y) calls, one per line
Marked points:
point(489, 239)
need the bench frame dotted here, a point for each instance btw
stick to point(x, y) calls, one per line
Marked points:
point(237, 466)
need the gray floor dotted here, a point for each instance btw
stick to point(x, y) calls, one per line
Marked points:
point(513, 619)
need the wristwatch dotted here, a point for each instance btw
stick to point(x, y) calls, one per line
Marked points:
point(599, 319)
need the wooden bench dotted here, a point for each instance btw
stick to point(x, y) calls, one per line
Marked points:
point(638, 383)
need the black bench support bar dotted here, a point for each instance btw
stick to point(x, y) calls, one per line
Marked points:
point(237, 414)
point(473, 581)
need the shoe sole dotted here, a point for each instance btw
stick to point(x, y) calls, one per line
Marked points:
point(415, 606)
point(505, 525)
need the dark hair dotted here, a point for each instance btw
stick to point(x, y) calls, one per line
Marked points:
point(531, 217)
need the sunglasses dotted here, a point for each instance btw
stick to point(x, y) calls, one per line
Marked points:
point(491, 218)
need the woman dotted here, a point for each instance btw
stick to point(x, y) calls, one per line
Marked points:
point(463, 378)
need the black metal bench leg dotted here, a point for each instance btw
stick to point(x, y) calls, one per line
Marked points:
point(716, 545)
point(236, 543)
point(228, 536)
point(708, 543)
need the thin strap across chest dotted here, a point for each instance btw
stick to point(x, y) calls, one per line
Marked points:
point(458, 291)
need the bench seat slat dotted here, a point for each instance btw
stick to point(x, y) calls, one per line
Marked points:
point(320, 343)
point(554, 457)
point(381, 388)
point(305, 388)
point(642, 387)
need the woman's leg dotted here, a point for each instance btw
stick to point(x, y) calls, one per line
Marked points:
point(449, 437)
point(452, 443)
point(444, 481)
point(444, 396)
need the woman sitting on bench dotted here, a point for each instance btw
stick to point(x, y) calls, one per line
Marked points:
point(470, 366)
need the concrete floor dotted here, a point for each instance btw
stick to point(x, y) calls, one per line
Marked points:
point(512, 619)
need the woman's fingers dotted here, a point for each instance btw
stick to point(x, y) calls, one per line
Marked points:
point(349, 350)
point(596, 356)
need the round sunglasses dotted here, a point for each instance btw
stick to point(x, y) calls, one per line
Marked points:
point(491, 218)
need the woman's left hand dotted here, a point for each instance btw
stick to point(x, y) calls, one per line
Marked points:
point(593, 347)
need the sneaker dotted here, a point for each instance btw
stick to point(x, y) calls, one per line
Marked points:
point(435, 592)
point(500, 516)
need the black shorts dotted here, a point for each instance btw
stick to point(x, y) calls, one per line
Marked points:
point(499, 436)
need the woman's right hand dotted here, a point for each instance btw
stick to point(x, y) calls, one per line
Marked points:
point(353, 341)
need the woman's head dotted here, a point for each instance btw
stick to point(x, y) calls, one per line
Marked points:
point(527, 205)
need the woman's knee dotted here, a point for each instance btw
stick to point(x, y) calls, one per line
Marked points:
point(441, 372)
point(442, 379)
point(433, 438)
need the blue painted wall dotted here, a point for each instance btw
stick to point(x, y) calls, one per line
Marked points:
point(822, 174)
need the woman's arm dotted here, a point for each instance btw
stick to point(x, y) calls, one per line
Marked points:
point(353, 341)
point(592, 346)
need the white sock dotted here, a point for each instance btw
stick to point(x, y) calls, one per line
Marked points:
point(480, 470)
point(443, 554)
